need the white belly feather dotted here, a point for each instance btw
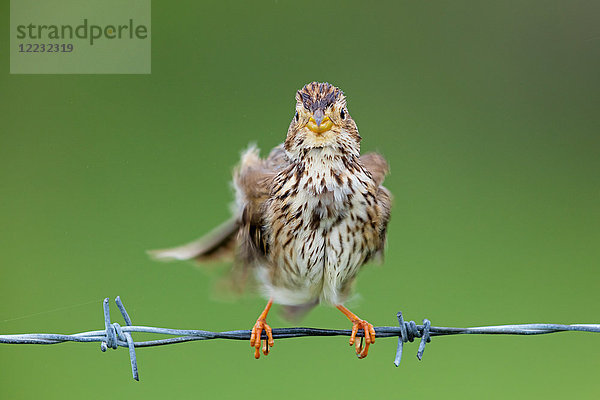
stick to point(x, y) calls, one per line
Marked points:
point(322, 249)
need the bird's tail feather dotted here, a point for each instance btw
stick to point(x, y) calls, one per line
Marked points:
point(296, 313)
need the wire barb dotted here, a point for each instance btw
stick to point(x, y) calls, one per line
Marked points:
point(114, 332)
point(408, 332)
point(114, 335)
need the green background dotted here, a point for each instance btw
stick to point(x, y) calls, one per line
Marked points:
point(487, 113)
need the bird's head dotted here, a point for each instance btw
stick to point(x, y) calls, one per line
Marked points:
point(321, 120)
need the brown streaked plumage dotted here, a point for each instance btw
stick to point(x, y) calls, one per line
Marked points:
point(308, 216)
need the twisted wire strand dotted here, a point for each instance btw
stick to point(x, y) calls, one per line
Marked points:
point(114, 335)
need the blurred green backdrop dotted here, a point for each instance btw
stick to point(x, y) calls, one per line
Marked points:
point(487, 112)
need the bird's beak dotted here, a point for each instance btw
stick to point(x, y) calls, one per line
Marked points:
point(319, 123)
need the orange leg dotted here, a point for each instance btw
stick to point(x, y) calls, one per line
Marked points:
point(261, 324)
point(365, 326)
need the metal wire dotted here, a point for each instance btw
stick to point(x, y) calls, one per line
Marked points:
point(115, 335)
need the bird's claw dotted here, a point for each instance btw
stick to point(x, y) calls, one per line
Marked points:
point(255, 338)
point(369, 337)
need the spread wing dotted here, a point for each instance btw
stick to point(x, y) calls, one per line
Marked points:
point(253, 181)
point(214, 246)
point(378, 168)
point(376, 165)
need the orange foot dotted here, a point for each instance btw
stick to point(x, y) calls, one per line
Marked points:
point(259, 326)
point(369, 333)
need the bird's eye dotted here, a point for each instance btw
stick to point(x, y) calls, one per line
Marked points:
point(342, 114)
point(296, 116)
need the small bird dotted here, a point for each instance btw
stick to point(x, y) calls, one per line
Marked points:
point(307, 217)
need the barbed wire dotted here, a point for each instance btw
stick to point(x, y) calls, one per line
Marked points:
point(114, 335)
